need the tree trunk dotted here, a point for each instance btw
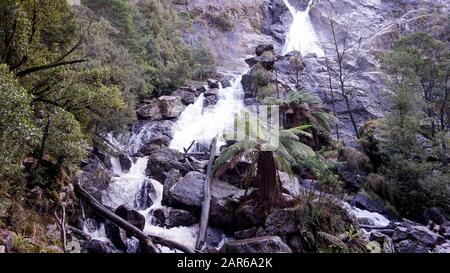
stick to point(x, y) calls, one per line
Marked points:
point(269, 193)
point(207, 198)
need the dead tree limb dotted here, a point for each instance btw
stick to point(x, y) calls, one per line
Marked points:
point(144, 239)
point(207, 198)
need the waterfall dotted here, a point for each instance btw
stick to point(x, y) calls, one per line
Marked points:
point(301, 35)
point(201, 124)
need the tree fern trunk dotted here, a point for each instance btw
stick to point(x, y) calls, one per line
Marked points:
point(269, 194)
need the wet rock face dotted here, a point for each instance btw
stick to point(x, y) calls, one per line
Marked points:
point(98, 247)
point(189, 190)
point(132, 216)
point(165, 107)
point(163, 160)
point(95, 178)
point(267, 244)
point(152, 135)
point(117, 236)
point(170, 217)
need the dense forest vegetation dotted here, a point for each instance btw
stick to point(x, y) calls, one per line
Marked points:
point(69, 75)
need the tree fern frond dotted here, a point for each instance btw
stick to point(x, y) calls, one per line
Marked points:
point(332, 240)
point(230, 152)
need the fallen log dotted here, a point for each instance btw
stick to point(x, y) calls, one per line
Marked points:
point(207, 198)
point(144, 239)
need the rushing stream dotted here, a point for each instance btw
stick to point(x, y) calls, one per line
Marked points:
point(201, 124)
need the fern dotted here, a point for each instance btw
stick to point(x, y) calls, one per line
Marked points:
point(332, 241)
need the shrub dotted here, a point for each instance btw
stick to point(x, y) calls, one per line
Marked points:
point(222, 21)
point(355, 159)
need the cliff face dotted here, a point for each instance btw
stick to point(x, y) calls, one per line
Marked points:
point(375, 23)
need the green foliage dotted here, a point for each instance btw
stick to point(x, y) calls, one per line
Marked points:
point(18, 133)
point(222, 21)
point(419, 71)
point(205, 63)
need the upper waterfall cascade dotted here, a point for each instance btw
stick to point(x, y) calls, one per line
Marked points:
point(301, 35)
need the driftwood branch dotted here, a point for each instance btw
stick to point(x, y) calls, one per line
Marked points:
point(145, 240)
point(207, 198)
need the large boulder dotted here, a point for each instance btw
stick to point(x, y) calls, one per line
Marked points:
point(425, 236)
point(434, 215)
point(161, 161)
point(281, 222)
point(117, 236)
point(169, 217)
point(150, 110)
point(165, 107)
point(267, 244)
point(170, 106)
point(444, 248)
point(260, 49)
point(224, 201)
point(172, 177)
point(249, 215)
point(289, 184)
point(132, 216)
point(188, 96)
point(95, 178)
point(188, 192)
point(364, 202)
point(98, 247)
point(149, 136)
point(408, 246)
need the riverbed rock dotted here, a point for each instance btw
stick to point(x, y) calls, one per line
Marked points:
point(386, 242)
point(98, 247)
point(163, 160)
point(245, 234)
point(95, 178)
point(434, 215)
point(145, 196)
point(189, 190)
point(444, 248)
point(172, 177)
point(170, 217)
point(149, 136)
point(117, 236)
point(132, 216)
point(281, 222)
point(425, 236)
point(249, 215)
point(267, 244)
point(364, 202)
point(150, 110)
point(6, 240)
point(408, 246)
point(289, 184)
point(187, 96)
point(170, 106)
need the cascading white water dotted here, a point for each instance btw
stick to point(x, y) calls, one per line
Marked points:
point(126, 186)
point(376, 220)
point(201, 124)
point(301, 35)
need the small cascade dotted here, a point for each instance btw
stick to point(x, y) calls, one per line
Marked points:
point(301, 35)
point(376, 220)
point(201, 124)
point(123, 188)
